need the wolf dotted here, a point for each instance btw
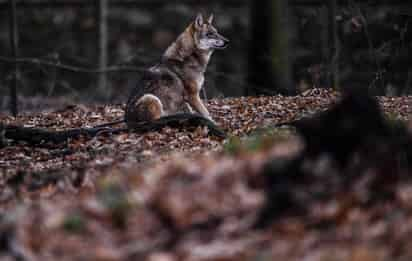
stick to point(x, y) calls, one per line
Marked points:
point(174, 84)
point(166, 89)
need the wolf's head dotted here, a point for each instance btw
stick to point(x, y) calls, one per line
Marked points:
point(206, 36)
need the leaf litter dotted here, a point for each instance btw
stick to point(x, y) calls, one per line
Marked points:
point(182, 195)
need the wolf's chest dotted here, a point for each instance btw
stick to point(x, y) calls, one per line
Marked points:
point(199, 82)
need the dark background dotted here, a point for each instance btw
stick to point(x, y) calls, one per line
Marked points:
point(374, 41)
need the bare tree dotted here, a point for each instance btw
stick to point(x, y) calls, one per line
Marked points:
point(14, 44)
point(333, 44)
point(102, 41)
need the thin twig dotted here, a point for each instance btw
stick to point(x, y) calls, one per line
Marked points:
point(111, 69)
point(372, 52)
point(71, 68)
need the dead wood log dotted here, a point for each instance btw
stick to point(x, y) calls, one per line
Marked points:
point(180, 120)
point(38, 136)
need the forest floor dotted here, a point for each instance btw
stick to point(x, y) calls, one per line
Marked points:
point(184, 195)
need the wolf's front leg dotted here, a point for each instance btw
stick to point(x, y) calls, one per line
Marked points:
point(187, 108)
point(197, 104)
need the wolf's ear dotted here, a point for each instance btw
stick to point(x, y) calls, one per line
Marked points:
point(199, 21)
point(210, 19)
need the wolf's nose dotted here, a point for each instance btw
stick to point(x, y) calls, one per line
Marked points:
point(222, 44)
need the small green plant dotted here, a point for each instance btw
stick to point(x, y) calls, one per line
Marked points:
point(114, 197)
point(258, 140)
point(233, 145)
point(74, 223)
point(393, 119)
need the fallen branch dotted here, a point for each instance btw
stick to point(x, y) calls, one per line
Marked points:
point(181, 120)
point(38, 136)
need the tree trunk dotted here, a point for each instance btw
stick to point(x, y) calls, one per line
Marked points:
point(333, 42)
point(269, 58)
point(14, 44)
point(102, 41)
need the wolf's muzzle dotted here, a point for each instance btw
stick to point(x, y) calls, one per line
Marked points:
point(223, 43)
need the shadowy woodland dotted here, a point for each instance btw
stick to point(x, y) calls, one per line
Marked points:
point(310, 157)
point(367, 44)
